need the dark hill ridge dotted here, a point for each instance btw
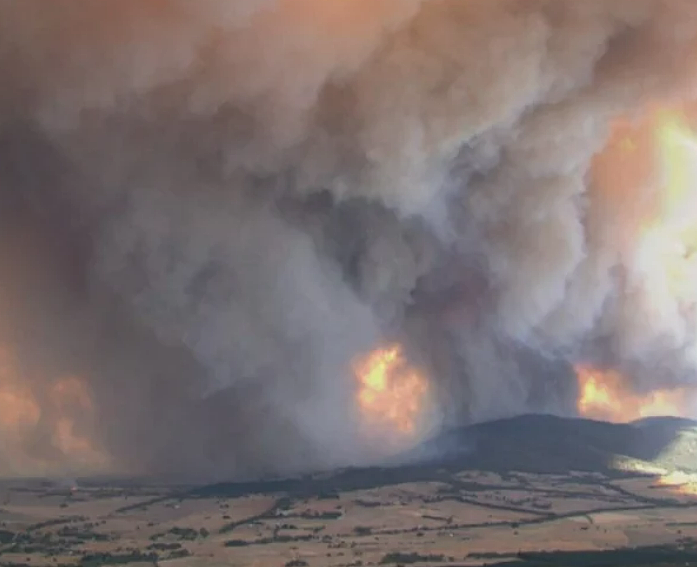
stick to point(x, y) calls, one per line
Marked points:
point(533, 443)
point(532, 491)
point(545, 443)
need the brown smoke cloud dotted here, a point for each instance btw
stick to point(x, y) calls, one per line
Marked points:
point(210, 209)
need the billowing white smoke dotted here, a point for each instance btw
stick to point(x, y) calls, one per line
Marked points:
point(210, 208)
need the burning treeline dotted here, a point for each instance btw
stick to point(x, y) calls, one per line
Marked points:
point(215, 214)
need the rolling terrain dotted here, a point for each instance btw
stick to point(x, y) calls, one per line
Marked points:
point(534, 490)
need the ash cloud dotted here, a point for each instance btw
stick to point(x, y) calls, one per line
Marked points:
point(210, 209)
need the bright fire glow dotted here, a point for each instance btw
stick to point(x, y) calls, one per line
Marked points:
point(71, 398)
point(392, 396)
point(61, 417)
point(647, 178)
point(670, 231)
point(677, 481)
point(650, 170)
point(680, 482)
point(604, 395)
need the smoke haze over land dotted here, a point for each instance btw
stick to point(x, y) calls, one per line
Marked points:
point(210, 209)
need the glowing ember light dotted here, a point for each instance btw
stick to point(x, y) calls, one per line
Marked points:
point(18, 408)
point(677, 481)
point(71, 398)
point(677, 147)
point(649, 171)
point(67, 414)
point(680, 482)
point(670, 231)
point(605, 395)
point(392, 396)
point(652, 166)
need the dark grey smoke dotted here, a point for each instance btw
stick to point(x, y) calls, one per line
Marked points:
point(209, 209)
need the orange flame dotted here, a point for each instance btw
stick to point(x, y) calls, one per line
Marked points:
point(392, 396)
point(605, 395)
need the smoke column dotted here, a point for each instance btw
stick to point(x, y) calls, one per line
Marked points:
point(210, 209)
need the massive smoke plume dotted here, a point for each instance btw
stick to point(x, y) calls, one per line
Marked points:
point(209, 209)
